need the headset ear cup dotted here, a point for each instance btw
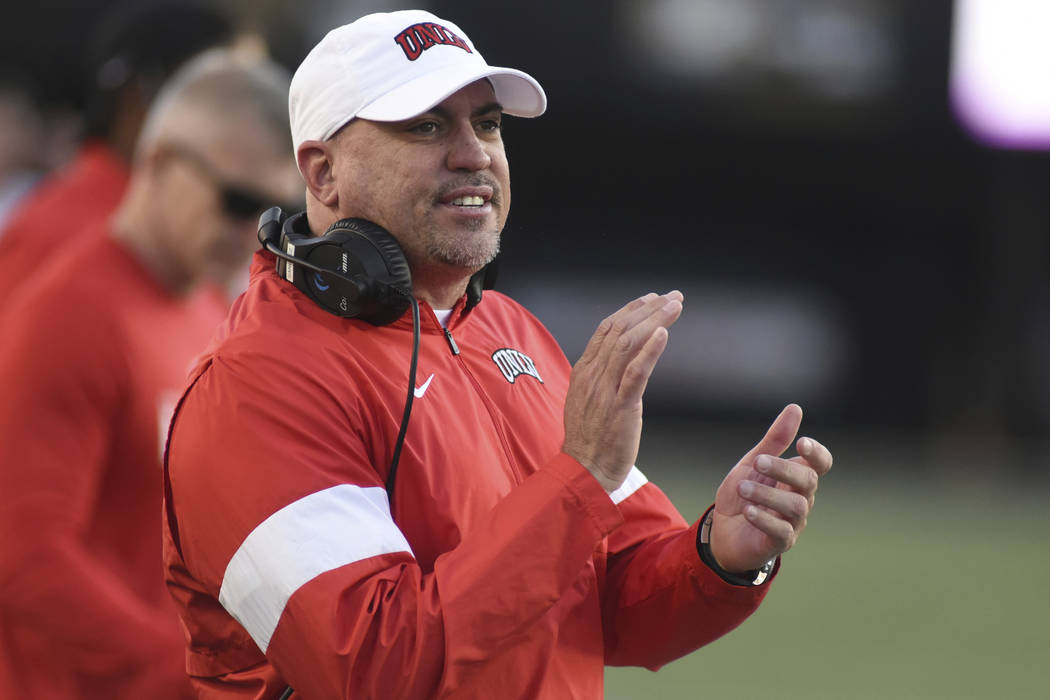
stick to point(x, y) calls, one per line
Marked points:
point(397, 264)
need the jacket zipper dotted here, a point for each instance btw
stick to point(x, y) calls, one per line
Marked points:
point(451, 342)
point(488, 406)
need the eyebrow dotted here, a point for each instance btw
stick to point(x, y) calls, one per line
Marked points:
point(480, 111)
point(485, 109)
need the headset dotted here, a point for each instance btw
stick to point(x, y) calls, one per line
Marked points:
point(359, 269)
point(355, 270)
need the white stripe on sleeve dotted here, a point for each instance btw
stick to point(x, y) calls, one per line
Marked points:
point(634, 481)
point(317, 533)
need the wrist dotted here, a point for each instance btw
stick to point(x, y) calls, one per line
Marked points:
point(751, 577)
point(609, 484)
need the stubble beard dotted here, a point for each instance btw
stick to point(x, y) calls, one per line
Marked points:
point(478, 248)
point(470, 252)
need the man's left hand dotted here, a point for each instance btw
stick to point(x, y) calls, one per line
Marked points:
point(763, 503)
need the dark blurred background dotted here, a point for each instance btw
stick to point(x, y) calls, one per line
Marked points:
point(794, 166)
point(852, 233)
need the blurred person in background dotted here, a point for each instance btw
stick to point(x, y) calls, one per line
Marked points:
point(23, 140)
point(519, 549)
point(95, 349)
point(135, 47)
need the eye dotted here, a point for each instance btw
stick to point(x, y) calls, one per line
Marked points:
point(491, 125)
point(425, 127)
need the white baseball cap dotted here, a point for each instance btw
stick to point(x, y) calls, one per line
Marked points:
point(393, 66)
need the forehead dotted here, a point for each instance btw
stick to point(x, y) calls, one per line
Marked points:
point(248, 146)
point(252, 155)
point(470, 100)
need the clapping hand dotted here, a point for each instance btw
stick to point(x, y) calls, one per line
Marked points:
point(763, 503)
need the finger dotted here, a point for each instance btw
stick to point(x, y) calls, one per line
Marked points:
point(607, 324)
point(799, 476)
point(816, 455)
point(791, 506)
point(780, 434)
point(628, 319)
point(636, 376)
point(624, 335)
point(624, 349)
point(776, 529)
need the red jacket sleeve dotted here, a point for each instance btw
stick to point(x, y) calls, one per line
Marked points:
point(55, 419)
point(290, 530)
point(661, 601)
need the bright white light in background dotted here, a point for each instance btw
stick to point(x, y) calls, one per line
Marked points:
point(1000, 71)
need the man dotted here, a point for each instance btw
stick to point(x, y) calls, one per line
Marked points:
point(23, 137)
point(524, 550)
point(94, 351)
point(136, 48)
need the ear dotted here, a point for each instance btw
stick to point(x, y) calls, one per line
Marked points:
point(315, 163)
point(151, 159)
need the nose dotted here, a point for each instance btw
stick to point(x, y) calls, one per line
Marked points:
point(467, 152)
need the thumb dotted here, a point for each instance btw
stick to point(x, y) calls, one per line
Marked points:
point(780, 434)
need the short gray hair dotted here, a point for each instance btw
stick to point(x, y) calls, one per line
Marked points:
point(216, 89)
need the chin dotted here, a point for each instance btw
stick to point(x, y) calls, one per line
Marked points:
point(473, 259)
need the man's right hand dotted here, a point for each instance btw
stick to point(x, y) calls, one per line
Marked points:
point(603, 407)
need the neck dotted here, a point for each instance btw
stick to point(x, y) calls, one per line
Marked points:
point(440, 288)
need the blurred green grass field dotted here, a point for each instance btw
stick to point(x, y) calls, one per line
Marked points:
point(917, 578)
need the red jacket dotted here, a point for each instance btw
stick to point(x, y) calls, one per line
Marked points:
point(93, 356)
point(506, 570)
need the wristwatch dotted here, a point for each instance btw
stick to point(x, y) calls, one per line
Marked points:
point(755, 577)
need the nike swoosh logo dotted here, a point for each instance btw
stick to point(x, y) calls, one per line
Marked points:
point(420, 390)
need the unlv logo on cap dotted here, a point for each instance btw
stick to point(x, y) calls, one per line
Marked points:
point(420, 37)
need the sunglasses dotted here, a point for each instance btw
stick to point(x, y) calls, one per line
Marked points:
point(237, 202)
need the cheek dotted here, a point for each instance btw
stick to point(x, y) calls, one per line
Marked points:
point(389, 196)
point(500, 169)
point(187, 202)
point(200, 227)
point(198, 230)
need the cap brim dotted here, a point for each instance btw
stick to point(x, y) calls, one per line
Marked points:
point(518, 93)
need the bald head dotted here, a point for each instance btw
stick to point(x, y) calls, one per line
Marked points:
point(219, 97)
point(214, 152)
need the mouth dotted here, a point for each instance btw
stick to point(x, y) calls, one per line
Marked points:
point(470, 199)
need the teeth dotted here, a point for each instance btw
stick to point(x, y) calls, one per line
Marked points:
point(473, 201)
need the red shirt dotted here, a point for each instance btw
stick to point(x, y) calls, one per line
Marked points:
point(505, 570)
point(59, 209)
point(93, 356)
